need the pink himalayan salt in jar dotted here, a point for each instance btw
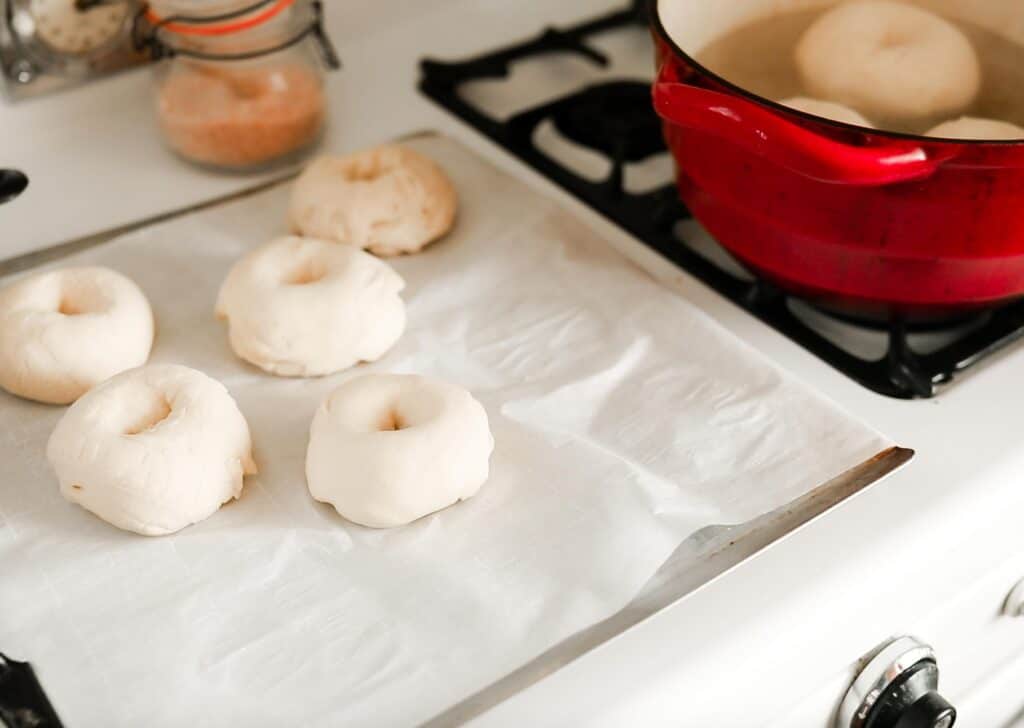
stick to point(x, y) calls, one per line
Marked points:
point(241, 87)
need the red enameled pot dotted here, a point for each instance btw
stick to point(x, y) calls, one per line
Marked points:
point(871, 223)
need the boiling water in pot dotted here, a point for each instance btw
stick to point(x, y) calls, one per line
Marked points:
point(760, 57)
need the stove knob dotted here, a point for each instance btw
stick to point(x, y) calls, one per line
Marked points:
point(22, 71)
point(1014, 606)
point(12, 184)
point(897, 688)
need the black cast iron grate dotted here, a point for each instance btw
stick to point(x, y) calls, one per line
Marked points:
point(616, 119)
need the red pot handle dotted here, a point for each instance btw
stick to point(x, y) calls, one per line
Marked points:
point(770, 134)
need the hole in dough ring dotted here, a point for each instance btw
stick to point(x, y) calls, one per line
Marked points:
point(387, 449)
point(390, 200)
point(64, 331)
point(890, 61)
point(302, 307)
point(153, 449)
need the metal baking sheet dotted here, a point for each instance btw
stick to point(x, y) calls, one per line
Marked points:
point(604, 504)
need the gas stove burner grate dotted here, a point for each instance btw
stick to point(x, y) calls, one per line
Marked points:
point(614, 118)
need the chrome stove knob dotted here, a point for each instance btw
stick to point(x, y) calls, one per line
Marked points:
point(12, 184)
point(897, 688)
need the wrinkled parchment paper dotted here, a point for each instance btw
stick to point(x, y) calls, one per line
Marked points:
point(624, 418)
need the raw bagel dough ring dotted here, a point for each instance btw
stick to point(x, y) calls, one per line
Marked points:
point(301, 307)
point(386, 449)
point(889, 61)
point(389, 200)
point(64, 331)
point(153, 449)
point(827, 110)
point(969, 127)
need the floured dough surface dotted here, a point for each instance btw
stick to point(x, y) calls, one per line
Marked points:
point(64, 331)
point(153, 449)
point(387, 449)
point(826, 109)
point(969, 127)
point(302, 307)
point(889, 61)
point(389, 200)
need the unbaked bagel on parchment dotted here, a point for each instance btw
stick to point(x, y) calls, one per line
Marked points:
point(390, 200)
point(64, 331)
point(152, 450)
point(889, 61)
point(387, 449)
point(303, 307)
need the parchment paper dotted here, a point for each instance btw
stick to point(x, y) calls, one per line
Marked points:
point(624, 418)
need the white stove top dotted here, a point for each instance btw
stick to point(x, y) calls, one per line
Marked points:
point(776, 638)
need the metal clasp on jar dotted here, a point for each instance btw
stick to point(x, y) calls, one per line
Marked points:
point(147, 26)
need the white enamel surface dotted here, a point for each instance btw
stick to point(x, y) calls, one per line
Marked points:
point(884, 563)
point(387, 449)
point(153, 449)
point(96, 159)
point(65, 330)
point(302, 307)
point(692, 24)
point(389, 200)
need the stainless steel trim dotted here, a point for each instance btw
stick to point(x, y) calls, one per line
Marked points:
point(37, 258)
point(708, 554)
point(887, 664)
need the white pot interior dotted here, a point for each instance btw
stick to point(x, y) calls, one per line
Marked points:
point(693, 24)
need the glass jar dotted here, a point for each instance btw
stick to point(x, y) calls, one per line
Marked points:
point(240, 86)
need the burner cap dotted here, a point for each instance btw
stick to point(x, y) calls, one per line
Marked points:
point(616, 118)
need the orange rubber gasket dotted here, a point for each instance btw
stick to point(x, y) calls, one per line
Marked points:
point(234, 26)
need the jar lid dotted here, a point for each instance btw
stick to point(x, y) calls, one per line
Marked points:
point(203, 18)
point(231, 30)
